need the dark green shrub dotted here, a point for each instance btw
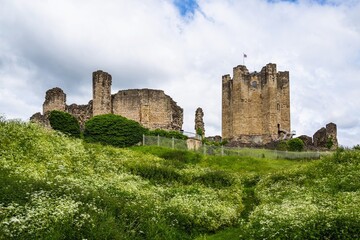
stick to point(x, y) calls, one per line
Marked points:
point(65, 123)
point(296, 145)
point(167, 134)
point(113, 130)
point(282, 145)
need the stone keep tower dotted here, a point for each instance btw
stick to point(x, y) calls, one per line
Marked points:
point(255, 106)
point(101, 93)
point(55, 99)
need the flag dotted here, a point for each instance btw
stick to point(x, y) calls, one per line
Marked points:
point(245, 56)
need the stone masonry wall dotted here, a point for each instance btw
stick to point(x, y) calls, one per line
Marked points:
point(81, 112)
point(152, 108)
point(55, 99)
point(101, 93)
point(326, 134)
point(199, 121)
point(255, 106)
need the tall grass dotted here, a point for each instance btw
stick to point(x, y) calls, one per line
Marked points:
point(316, 201)
point(56, 187)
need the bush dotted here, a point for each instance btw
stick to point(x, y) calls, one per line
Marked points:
point(296, 145)
point(282, 146)
point(167, 134)
point(113, 130)
point(65, 123)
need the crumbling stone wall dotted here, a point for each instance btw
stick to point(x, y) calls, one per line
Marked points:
point(308, 142)
point(101, 93)
point(41, 119)
point(255, 106)
point(151, 108)
point(55, 99)
point(326, 135)
point(199, 122)
point(81, 112)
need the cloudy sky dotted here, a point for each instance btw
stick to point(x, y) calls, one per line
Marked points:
point(184, 47)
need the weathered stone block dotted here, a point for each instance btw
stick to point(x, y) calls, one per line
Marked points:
point(306, 140)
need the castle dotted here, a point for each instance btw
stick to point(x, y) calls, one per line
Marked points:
point(151, 108)
point(256, 106)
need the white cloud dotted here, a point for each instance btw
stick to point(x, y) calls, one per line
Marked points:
point(147, 43)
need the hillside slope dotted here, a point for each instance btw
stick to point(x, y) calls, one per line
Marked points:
point(55, 187)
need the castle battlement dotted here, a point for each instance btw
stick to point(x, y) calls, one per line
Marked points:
point(255, 106)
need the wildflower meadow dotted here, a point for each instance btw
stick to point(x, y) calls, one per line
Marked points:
point(53, 186)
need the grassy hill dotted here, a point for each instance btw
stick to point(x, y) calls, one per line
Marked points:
point(55, 187)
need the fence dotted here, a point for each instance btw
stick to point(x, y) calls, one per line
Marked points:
point(226, 151)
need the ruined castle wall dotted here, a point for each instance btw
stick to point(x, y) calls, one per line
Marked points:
point(284, 89)
point(177, 116)
point(55, 99)
point(101, 93)
point(331, 133)
point(227, 86)
point(199, 122)
point(152, 108)
point(81, 112)
point(255, 105)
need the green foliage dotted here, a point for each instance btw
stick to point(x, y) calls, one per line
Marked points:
point(356, 147)
point(65, 123)
point(156, 174)
point(329, 143)
point(216, 179)
point(199, 132)
point(182, 156)
point(214, 143)
point(295, 145)
point(167, 134)
point(282, 146)
point(54, 187)
point(318, 201)
point(113, 130)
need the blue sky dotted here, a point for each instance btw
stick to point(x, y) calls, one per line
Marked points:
point(183, 48)
point(186, 7)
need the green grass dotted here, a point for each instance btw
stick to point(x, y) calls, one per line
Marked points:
point(56, 187)
point(237, 164)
